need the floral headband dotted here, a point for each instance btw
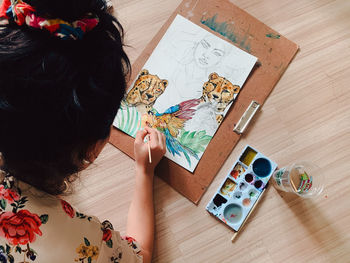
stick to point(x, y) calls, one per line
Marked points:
point(21, 13)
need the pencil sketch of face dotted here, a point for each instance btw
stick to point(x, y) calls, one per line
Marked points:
point(208, 52)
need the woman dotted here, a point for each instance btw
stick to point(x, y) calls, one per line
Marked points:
point(62, 77)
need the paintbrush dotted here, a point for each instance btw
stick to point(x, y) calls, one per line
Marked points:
point(149, 150)
point(250, 212)
point(145, 123)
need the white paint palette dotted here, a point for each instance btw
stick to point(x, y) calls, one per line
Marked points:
point(241, 188)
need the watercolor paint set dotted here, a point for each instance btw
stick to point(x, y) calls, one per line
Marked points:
point(242, 188)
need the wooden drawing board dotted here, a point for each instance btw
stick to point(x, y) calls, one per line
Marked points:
point(234, 25)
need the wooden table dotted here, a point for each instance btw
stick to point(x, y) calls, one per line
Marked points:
point(307, 117)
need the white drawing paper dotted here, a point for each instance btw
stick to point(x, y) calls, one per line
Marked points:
point(185, 89)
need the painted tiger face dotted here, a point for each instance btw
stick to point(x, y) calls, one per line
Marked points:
point(219, 91)
point(146, 90)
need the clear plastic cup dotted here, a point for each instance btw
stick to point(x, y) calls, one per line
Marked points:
point(302, 178)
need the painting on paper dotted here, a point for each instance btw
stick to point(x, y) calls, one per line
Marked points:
point(185, 89)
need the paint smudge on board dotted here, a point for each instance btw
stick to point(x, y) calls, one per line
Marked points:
point(274, 36)
point(226, 29)
point(190, 13)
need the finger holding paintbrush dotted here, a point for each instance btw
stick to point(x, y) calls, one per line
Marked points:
point(149, 148)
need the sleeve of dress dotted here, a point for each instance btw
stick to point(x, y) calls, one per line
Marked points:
point(118, 249)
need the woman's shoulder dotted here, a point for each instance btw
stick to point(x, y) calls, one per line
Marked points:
point(35, 225)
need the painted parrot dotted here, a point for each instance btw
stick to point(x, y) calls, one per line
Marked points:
point(170, 123)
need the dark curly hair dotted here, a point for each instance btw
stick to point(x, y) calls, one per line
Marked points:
point(58, 97)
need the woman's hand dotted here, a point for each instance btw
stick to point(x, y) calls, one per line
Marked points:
point(142, 202)
point(157, 145)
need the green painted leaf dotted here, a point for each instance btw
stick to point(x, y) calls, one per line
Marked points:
point(121, 118)
point(89, 260)
point(3, 204)
point(109, 243)
point(44, 218)
point(128, 120)
point(187, 158)
point(86, 241)
point(2, 249)
point(11, 258)
point(196, 141)
point(191, 136)
point(185, 134)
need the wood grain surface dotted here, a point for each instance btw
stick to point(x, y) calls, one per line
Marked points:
point(306, 117)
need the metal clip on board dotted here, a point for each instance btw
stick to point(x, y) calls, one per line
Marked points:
point(246, 117)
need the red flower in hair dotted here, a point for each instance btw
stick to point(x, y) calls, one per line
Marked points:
point(21, 10)
point(4, 7)
point(20, 227)
point(67, 208)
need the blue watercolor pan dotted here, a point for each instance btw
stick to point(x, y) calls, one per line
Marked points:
point(241, 188)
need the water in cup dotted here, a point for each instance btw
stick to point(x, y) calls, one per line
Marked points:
point(302, 178)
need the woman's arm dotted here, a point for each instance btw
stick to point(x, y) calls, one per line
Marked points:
point(140, 223)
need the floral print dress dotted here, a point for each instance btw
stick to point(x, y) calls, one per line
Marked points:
point(37, 227)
